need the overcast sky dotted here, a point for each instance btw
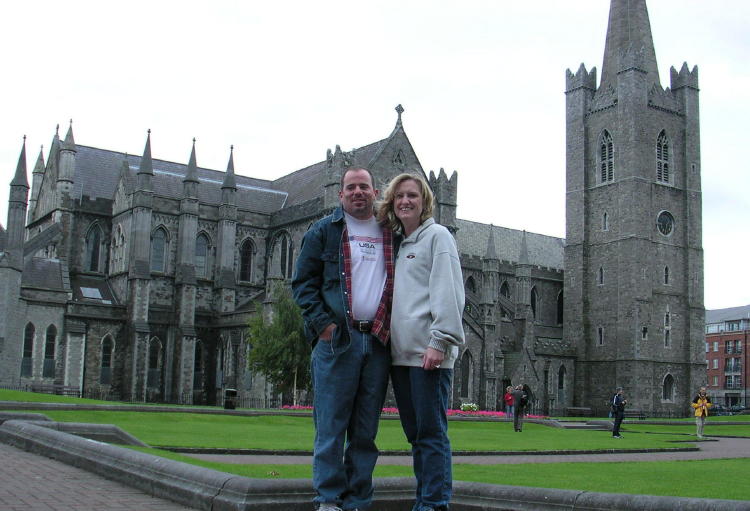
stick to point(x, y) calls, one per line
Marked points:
point(482, 83)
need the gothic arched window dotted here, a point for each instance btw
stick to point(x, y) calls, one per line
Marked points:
point(466, 374)
point(201, 255)
point(28, 350)
point(662, 158)
point(246, 260)
point(159, 251)
point(94, 253)
point(286, 257)
point(560, 307)
point(667, 389)
point(154, 363)
point(605, 222)
point(105, 371)
point(505, 289)
point(533, 300)
point(666, 275)
point(471, 286)
point(198, 366)
point(48, 371)
point(601, 276)
point(606, 158)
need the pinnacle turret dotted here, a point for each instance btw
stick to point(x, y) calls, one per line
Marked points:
point(20, 177)
point(69, 144)
point(229, 181)
point(192, 169)
point(523, 254)
point(491, 253)
point(147, 166)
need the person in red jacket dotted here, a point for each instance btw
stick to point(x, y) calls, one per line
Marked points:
point(508, 399)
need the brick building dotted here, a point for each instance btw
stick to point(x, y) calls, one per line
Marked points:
point(727, 355)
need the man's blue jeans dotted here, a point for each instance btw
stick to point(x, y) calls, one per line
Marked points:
point(422, 398)
point(350, 379)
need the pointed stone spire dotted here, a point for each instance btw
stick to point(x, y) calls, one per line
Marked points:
point(629, 42)
point(491, 253)
point(192, 170)
point(69, 144)
point(147, 166)
point(20, 178)
point(39, 167)
point(523, 255)
point(229, 181)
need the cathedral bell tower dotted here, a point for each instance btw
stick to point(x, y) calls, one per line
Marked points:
point(633, 254)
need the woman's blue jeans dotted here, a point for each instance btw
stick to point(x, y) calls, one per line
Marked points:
point(350, 379)
point(422, 397)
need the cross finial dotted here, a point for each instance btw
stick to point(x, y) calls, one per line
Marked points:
point(399, 111)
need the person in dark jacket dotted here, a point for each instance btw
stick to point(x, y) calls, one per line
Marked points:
point(618, 411)
point(520, 399)
point(343, 283)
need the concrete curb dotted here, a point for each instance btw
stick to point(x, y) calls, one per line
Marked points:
point(207, 489)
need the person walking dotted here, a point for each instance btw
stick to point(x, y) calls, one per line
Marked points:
point(343, 283)
point(618, 411)
point(427, 329)
point(701, 403)
point(520, 399)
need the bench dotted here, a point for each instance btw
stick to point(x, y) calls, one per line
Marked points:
point(60, 390)
point(579, 411)
point(635, 414)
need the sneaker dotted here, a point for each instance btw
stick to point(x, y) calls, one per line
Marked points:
point(616, 436)
point(329, 507)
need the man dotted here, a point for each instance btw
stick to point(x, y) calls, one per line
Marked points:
point(701, 403)
point(520, 399)
point(344, 284)
point(618, 411)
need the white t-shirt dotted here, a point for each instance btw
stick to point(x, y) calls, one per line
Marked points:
point(368, 266)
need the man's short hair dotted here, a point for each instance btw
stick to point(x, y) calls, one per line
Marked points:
point(352, 169)
point(618, 389)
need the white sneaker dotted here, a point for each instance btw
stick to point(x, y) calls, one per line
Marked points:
point(329, 507)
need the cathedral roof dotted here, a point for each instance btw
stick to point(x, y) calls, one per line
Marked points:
point(545, 251)
point(43, 273)
point(307, 183)
point(98, 172)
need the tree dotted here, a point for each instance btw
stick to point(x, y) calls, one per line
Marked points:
point(279, 349)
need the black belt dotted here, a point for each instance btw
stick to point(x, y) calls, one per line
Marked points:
point(362, 326)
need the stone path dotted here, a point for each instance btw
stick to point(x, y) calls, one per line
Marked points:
point(723, 448)
point(29, 482)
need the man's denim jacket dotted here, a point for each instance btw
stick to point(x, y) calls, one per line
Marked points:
point(318, 285)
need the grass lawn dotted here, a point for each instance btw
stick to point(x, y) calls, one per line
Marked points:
point(676, 478)
point(665, 478)
point(279, 432)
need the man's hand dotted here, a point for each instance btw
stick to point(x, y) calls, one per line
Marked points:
point(432, 359)
point(327, 333)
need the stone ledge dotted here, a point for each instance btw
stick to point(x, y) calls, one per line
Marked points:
point(206, 489)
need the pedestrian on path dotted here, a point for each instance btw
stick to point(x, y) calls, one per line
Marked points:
point(508, 399)
point(520, 399)
point(701, 403)
point(618, 411)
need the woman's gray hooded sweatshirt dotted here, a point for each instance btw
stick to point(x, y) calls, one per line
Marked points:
point(428, 297)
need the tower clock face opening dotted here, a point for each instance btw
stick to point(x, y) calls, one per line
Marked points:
point(665, 223)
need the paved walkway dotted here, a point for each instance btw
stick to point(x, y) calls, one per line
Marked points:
point(723, 448)
point(29, 482)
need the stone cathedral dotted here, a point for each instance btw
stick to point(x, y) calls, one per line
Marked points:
point(130, 277)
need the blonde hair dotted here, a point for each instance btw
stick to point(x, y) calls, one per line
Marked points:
point(387, 217)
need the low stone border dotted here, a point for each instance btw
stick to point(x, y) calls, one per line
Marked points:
point(207, 489)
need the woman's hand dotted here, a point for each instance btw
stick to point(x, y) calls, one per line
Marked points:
point(432, 359)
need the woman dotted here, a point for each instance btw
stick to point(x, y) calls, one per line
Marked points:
point(701, 403)
point(508, 399)
point(426, 330)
